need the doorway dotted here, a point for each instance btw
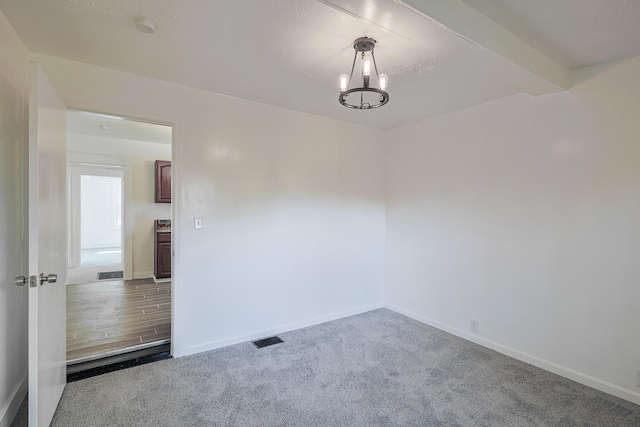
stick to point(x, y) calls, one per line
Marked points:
point(95, 231)
point(114, 306)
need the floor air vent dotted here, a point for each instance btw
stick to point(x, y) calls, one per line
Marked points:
point(266, 342)
point(105, 275)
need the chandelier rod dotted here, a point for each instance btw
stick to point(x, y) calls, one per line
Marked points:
point(375, 67)
point(355, 56)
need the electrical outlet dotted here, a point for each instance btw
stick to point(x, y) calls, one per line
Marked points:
point(475, 326)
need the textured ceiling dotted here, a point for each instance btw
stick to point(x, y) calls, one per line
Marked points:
point(574, 33)
point(289, 53)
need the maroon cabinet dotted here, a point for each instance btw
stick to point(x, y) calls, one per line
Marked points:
point(162, 249)
point(163, 255)
point(163, 181)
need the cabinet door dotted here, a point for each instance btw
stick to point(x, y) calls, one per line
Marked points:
point(163, 258)
point(163, 181)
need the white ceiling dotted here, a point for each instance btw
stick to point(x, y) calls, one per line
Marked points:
point(440, 56)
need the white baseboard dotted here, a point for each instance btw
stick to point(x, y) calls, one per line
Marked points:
point(212, 345)
point(156, 280)
point(10, 408)
point(560, 370)
point(142, 275)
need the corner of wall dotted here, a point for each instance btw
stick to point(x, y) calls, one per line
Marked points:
point(548, 366)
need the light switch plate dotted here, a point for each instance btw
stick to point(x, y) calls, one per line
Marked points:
point(197, 222)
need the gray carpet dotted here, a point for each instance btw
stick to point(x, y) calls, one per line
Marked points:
point(373, 369)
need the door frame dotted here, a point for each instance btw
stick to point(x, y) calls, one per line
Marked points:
point(74, 212)
point(97, 161)
point(120, 111)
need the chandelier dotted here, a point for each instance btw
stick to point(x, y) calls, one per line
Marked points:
point(372, 92)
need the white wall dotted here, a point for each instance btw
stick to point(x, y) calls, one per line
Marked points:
point(13, 300)
point(293, 206)
point(524, 214)
point(138, 159)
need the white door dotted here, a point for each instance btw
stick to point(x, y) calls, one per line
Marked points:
point(47, 248)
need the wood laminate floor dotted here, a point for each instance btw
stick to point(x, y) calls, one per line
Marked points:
point(111, 317)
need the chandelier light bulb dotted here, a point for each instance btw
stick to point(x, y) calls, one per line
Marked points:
point(384, 80)
point(344, 82)
point(366, 66)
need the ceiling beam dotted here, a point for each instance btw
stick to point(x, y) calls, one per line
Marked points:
point(518, 63)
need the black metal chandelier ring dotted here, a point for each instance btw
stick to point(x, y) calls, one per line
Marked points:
point(384, 98)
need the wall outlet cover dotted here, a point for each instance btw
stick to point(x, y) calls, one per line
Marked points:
point(475, 326)
point(197, 222)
